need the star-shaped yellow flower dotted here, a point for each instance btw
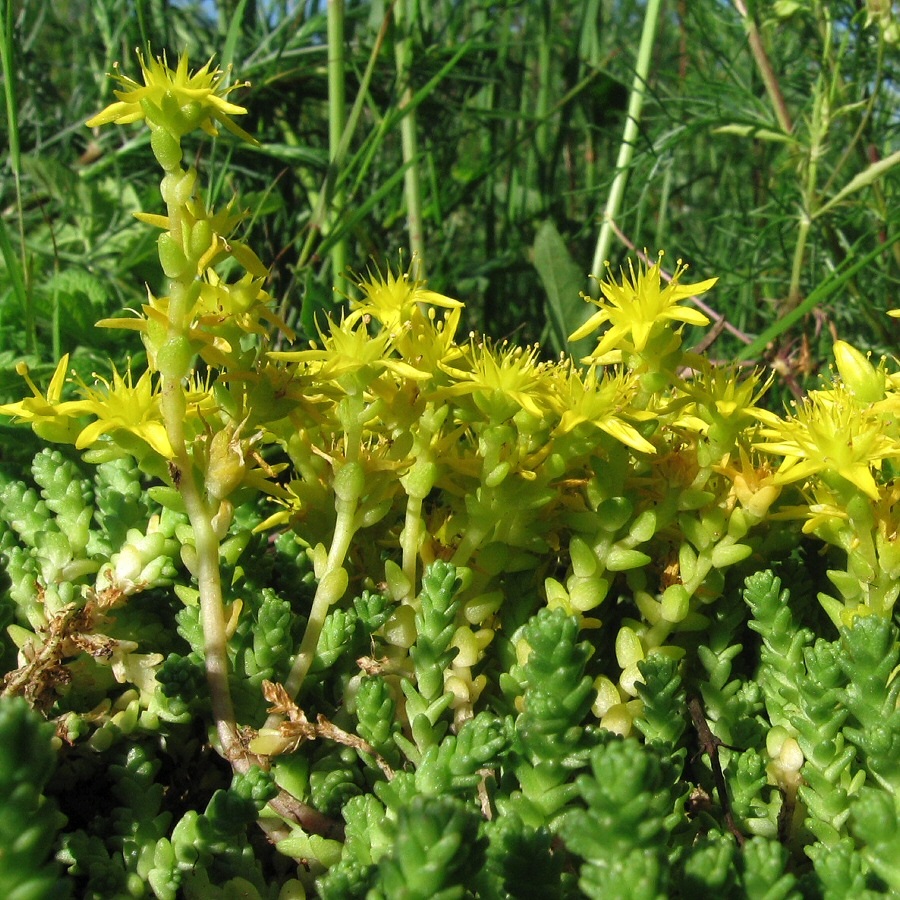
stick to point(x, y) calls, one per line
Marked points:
point(637, 304)
point(829, 433)
point(123, 406)
point(49, 415)
point(175, 99)
point(392, 300)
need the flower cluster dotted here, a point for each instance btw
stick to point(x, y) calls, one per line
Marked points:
point(435, 585)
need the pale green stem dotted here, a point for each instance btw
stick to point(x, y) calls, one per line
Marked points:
point(629, 135)
point(331, 585)
point(817, 134)
point(336, 123)
point(326, 596)
point(206, 542)
point(409, 540)
point(212, 613)
point(412, 186)
point(793, 297)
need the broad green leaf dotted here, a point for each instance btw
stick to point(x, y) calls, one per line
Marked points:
point(562, 278)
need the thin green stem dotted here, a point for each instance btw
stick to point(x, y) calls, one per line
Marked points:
point(409, 539)
point(819, 295)
point(318, 214)
point(206, 541)
point(332, 576)
point(794, 297)
point(818, 133)
point(212, 612)
point(332, 584)
point(770, 80)
point(15, 161)
point(629, 134)
point(337, 114)
point(542, 136)
point(412, 183)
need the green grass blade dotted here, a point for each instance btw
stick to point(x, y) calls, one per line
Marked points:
point(818, 295)
point(235, 27)
point(15, 266)
point(14, 269)
point(629, 135)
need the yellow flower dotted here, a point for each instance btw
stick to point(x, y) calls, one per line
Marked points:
point(175, 100)
point(119, 406)
point(49, 417)
point(123, 406)
point(603, 402)
point(220, 312)
point(392, 301)
point(502, 380)
point(725, 392)
point(350, 351)
point(752, 485)
point(636, 305)
point(829, 433)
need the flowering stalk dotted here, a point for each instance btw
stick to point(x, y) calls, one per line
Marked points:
point(330, 571)
point(174, 103)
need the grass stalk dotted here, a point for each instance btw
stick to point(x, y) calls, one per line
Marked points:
point(21, 284)
point(337, 116)
point(320, 211)
point(629, 134)
point(766, 70)
point(412, 182)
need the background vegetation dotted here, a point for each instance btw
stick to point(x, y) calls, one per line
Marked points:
point(485, 137)
point(509, 149)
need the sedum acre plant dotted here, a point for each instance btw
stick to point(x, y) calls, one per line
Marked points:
point(403, 612)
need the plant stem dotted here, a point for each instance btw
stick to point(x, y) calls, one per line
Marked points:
point(336, 123)
point(629, 134)
point(409, 539)
point(318, 214)
point(212, 614)
point(21, 284)
point(206, 542)
point(331, 587)
point(332, 577)
point(412, 185)
point(818, 133)
point(773, 89)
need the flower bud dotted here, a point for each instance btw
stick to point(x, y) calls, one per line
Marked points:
point(865, 382)
point(171, 256)
point(226, 467)
point(166, 148)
